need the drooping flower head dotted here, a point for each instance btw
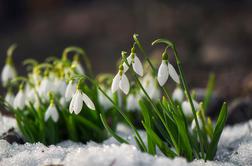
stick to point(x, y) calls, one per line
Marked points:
point(120, 81)
point(70, 90)
point(165, 70)
point(51, 111)
point(178, 95)
point(78, 98)
point(133, 60)
point(8, 72)
point(150, 85)
point(19, 101)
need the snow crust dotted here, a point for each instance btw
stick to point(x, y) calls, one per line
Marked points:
point(235, 148)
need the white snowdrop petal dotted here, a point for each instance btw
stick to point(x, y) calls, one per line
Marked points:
point(78, 103)
point(178, 95)
point(186, 107)
point(125, 66)
point(132, 103)
point(19, 101)
point(54, 114)
point(47, 114)
point(115, 83)
point(163, 73)
point(88, 101)
point(137, 66)
point(8, 73)
point(124, 84)
point(173, 73)
point(70, 90)
point(104, 101)
point(71, 106)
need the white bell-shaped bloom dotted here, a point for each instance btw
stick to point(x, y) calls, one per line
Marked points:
point(60, 86)
point(76, 103)
point(150, 86)
point(30, 96)
point(132, 103)
point(9, 98)
point(178, 95)
point(70, 90)
point(104, 101)
point(19, 101)
point(186, 107)
point(52, 112)
point(44, 88)
point(8, 73)
point(63, 101)
point(136, 64)
point(120, 81)
point(164, 71)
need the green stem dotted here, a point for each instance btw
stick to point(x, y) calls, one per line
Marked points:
point(153, 105)
point(182, 78)
point(152, 66)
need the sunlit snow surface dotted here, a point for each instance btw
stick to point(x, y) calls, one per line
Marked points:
point(235, 148)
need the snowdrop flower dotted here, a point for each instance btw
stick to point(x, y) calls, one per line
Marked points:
point(30, 96)
point(120, 81)
point(186, 107)
point(60, 86)
point(150, 86)
point(52, 112)
point(19, 101)
point(9, 98)
point(70, 90)
point(46, 85)
point(76, 103)
point(165, 70)
point(132, 102)
point(178, 95)
point(135, 61)
point(63, 101)
point(76, 64)
point(104, 101)
point(8, 72)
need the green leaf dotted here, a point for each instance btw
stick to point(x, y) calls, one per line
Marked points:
point(183, 135)
point(209, 91)
point(217, 132)
point(147, 120)
point(117, 137)
point(161, 145)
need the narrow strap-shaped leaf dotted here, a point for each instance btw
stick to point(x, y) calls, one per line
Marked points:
point(117, 137)
point(147, 120)
point(88, 123)
point(161, 145)
point(217, 132)
point(183, 135)
point(209, 91)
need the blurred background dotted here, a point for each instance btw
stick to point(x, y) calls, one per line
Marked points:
point(211, 36)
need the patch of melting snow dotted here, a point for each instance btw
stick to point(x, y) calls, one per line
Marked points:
point(235, 148)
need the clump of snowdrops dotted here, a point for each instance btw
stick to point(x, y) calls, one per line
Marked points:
point(175, 123)
point(50, 105)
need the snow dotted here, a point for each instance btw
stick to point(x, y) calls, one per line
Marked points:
point(6, 123)
point(235, 148)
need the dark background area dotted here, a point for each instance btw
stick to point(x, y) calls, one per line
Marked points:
point(211, 36)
